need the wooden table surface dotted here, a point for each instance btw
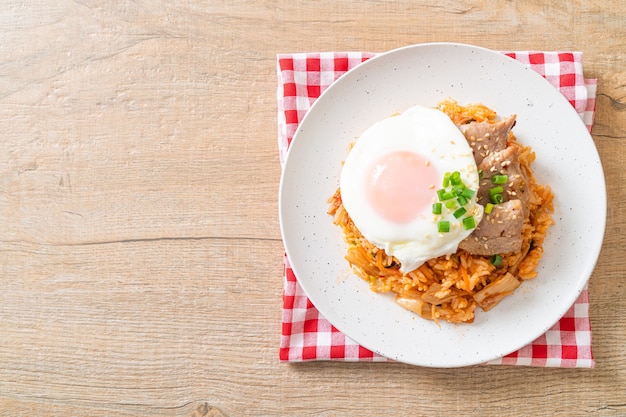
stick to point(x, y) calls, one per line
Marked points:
point(140, 251)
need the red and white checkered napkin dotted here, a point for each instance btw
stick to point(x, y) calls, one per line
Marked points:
point(306, 334)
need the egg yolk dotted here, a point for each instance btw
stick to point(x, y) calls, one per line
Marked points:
point(399, 185)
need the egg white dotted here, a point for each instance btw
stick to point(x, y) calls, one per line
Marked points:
point(431, 134)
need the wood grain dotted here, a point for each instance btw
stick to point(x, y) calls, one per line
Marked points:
point(140, 251)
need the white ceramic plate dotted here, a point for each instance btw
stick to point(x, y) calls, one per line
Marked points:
point(425, 74)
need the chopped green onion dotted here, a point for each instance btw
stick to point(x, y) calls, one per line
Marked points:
point(496, 198)
point(488, 208)
point(496, 190)
point(469, 223)
point(459, 212)
point(437, 208)
point(499, 179)
point(480, 174)
point(495, 194)
point(458, 189)
point(454, 188)
point(468, 193)
point(443, 226)
point(455, 178)
point(496, 260)
point(445, 195)
point(446, 179)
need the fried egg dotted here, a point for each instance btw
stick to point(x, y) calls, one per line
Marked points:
point(396, 178)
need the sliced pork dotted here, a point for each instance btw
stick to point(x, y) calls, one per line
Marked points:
point(498, 232)
point(505, 162)
point(485, 138)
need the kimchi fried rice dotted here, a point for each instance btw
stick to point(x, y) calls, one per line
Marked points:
point(451, 287)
